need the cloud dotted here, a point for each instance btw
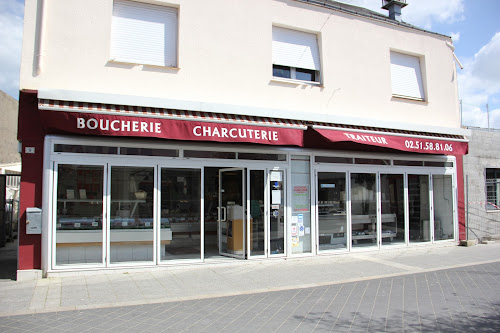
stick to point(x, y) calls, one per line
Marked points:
point(425, 12)
point(479, 84)
point(455, 36)
point(11, 34)
point(487, 65)
point(422, 13)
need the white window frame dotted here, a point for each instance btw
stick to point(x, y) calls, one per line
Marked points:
point(495, 184)
point(296, 50)
point(407, 76)
point(145, 34)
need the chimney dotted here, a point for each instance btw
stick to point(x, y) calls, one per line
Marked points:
point(394, 8)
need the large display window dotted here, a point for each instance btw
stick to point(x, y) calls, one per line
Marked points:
point(358, 209)
point(131, 214)
point(393, 230)
point(444, 228)
point(364, 226)
point(332, 211)
point(419, 208)
point(79, 214)
point(110, 207)
point(180, 233)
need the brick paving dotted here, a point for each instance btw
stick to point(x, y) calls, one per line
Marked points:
point(459, 299)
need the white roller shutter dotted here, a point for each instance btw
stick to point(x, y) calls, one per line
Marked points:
point(295, 49)
point(406, 76)
point(144, 33)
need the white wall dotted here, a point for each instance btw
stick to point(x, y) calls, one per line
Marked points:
point(225, 57)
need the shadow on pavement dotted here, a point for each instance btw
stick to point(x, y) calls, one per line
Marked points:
point(8, 261)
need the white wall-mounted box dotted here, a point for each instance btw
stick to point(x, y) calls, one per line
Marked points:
point(33, 220)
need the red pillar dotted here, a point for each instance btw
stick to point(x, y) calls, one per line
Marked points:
point(31, 135)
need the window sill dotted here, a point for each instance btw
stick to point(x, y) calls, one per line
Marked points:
point(416, 99)
point(493, 211)
point(295, 82)
point(131, 63)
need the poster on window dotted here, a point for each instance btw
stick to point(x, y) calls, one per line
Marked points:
point(300, 198)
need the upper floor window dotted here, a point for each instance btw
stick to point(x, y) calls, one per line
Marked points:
point(144, 33)
point(406, 76)
point(295, 55)
point(493, 189)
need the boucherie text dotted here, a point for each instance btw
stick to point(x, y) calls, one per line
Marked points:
point(119, 125)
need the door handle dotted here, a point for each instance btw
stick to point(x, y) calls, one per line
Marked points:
point(224, 211)
point(224, 214)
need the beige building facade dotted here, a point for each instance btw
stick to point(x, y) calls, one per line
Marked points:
point(174, 131)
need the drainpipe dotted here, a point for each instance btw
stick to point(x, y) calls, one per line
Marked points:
point(40, 27)
point(454, 55)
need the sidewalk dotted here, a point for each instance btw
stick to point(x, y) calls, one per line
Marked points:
point(89, 290)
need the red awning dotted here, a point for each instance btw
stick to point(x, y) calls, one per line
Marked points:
point(61, 117)
point(410, 143)
point(100, 119)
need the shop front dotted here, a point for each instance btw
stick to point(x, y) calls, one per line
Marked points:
point(127, 188)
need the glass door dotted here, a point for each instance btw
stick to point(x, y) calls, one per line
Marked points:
point(256, 224)
point(232, 217)
point(277, 213)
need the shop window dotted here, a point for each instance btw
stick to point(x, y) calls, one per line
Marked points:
point(406, 76)
point(408, 163)
point(209, 154)
point(295, 55)
point(79, 208)
point(419, 208)
point(371, 161)
point(392, 208)
point(180, 214)
point(263, 157)
point(493, 189)
point(131, 214)
point(149, 152)
point(330, 159)
point(364, 209)
point(438, 164)
point(144, 33)
point(84, 149)
point(332, 211)
point(443, 207)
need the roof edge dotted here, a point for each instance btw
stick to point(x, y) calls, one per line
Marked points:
point(350, 9)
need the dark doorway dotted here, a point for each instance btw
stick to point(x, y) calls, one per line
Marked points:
point(9, 209)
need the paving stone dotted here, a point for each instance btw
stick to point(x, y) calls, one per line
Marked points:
point(449, 300)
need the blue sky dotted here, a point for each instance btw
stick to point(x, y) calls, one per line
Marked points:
point(473, 24)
